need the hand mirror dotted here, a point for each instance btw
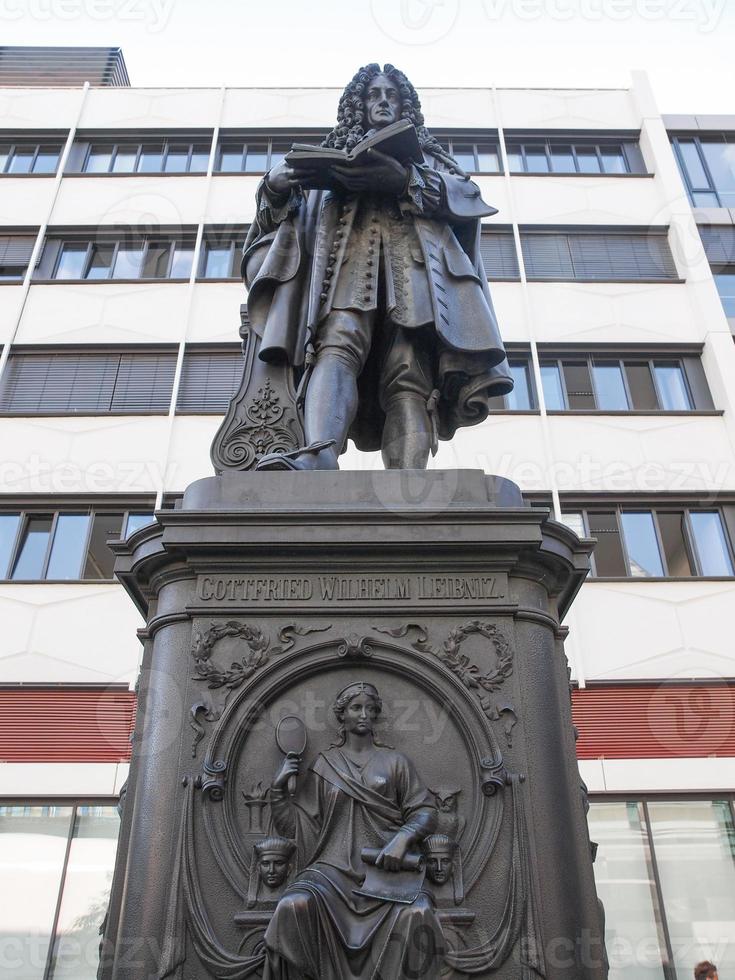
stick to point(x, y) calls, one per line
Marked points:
point(291, 740)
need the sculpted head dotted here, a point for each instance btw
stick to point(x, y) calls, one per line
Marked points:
point(439, 850)
point(273, 855)
point(376, 97)
point(357, 708)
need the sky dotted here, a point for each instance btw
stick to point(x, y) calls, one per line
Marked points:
point(686, 46)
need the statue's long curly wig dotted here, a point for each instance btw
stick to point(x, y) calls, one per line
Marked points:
point(352, 124)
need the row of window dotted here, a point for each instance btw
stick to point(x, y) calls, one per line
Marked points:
point(605, 383)
point(63, 545)
point(549, 255)
point(662, 541)
point(257, 154)
point(665, 872)
point(95, 382)
point(136, 382)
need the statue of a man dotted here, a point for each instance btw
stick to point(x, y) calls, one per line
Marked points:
point(374, 292)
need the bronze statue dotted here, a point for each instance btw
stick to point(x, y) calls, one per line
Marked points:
point(364, 808)
point(367, 281)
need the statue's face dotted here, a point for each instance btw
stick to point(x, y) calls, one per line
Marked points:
point(382, 102)
point(273, 869)
point(360, 715)
point(439, 867)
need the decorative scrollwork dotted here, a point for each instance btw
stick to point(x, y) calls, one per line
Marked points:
point(212, 780)
point(355, 647)
point(265, 426)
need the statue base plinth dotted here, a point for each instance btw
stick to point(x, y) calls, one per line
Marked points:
point(264, 595)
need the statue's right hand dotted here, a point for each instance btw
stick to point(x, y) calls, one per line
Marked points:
point(289, 768)
point(281, 178)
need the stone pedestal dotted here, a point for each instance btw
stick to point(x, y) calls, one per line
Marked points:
point(268, 593)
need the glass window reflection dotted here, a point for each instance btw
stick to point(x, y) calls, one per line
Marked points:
point(693, 843)
point(626, 888)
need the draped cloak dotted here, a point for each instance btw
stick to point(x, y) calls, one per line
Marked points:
point(321, 929)
point(298, 250)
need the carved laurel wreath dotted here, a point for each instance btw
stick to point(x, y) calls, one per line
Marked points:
point(259, 651)
point(468, 673)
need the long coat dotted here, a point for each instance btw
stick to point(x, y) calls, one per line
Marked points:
point(297, 250)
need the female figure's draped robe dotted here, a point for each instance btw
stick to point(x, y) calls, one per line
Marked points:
point(321, 929)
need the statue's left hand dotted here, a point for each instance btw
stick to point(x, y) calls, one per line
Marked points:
point(383, 173)
point(393, 853)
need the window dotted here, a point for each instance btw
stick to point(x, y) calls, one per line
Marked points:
point(255, 154)
point(29, 158)
point(707, 164)
point(221, 256)
point(155, 156)
point(523, 397)
point(93, 383)
point(64, 545)
point(665, 872)
point(474, 155)
point(117, 258)
point(609, 383)
point(667, 541)
point(498, 253)
point(594, 256)
point(57, 863)
point(725, 282)
point(15, 254)
point(560, 156)
point(209, 380)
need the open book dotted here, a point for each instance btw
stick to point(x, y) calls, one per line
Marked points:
point(399, 140)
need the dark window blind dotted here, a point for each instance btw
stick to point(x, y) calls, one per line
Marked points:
point(719, 244)
point(209, 380)
point(16, 250)
point(498, 253)
point(79, 382)
point(592, 257)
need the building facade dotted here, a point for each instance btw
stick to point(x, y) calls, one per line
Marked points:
point(612, 266)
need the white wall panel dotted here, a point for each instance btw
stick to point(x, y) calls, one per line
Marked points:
point(82, 455)
point(458, 107)
point(104, 313)
point(215, 312)
point(268, 107)
point(642, 454)
point(39, 108)
point(61, 779)
point(510, 309)
point(134, 200)
point(25, 201)
point(623, 313)
point(654, 630)
point(150, 108)
point(68, 634)
point(231, 200)
point(10, 300)
point(567, 109)
point(189, 454)
point(588, 201)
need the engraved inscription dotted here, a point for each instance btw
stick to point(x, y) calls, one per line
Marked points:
point(231, 589)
